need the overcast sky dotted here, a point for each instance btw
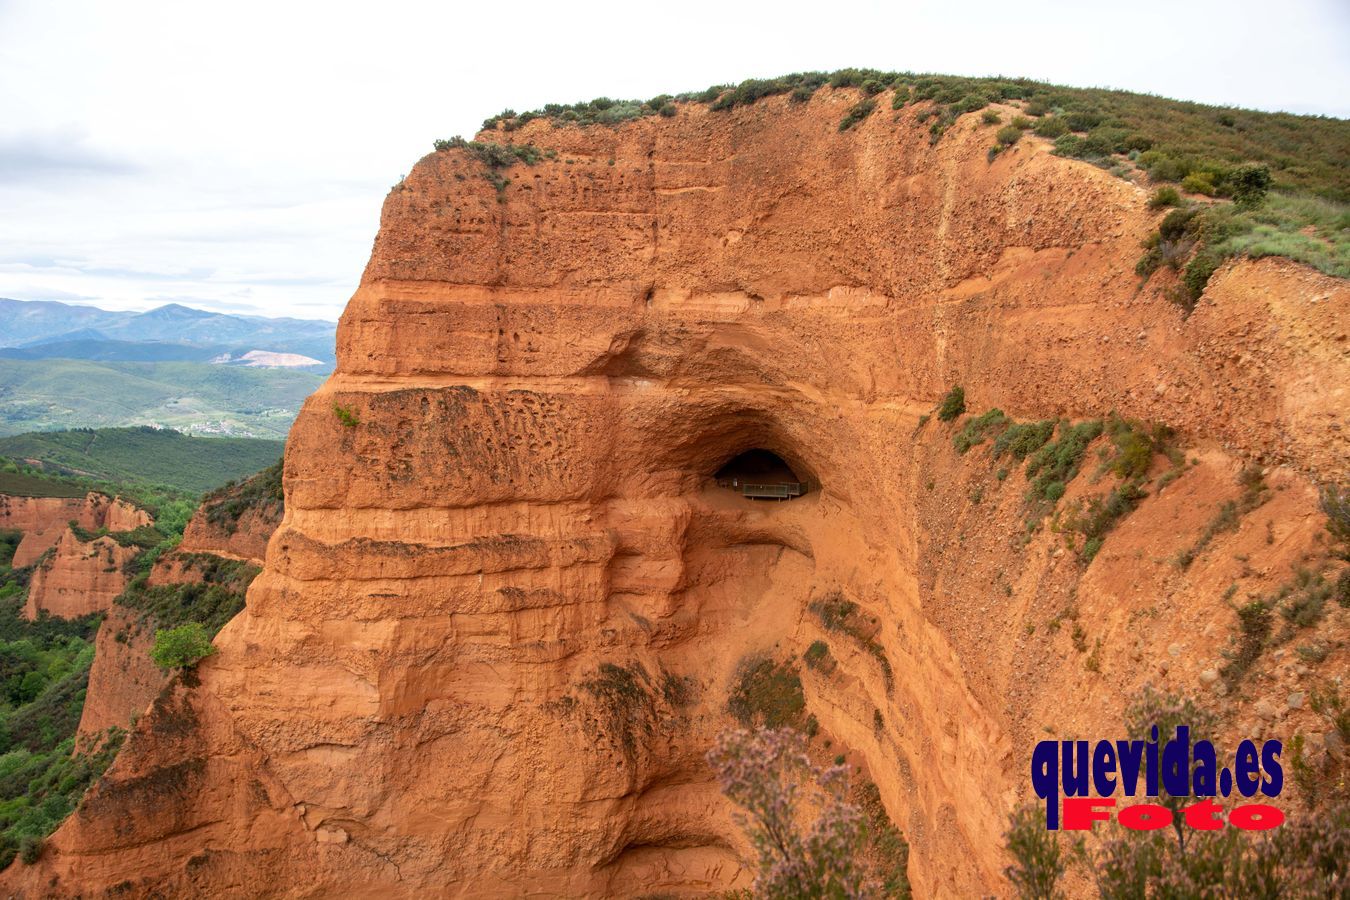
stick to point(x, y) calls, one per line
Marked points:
point(233, 156)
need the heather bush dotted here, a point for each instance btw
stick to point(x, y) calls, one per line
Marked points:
point(1038, 863)
point(769, 775)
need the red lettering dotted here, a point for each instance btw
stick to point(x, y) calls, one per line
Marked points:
point(1254, 816)
point(1205, 815)
point(1081, 812)
point(1145, 817)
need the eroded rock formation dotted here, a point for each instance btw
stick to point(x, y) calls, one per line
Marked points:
point(43, 520)
point(78, 577)
point(506, 486)
point(123, 680)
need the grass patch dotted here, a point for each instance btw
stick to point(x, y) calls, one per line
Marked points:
point(767, 694)
point(622, 693)
point(1230, 514)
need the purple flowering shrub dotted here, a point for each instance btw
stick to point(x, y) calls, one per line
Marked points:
point(769, 775)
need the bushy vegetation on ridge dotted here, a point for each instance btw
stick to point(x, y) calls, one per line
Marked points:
point(1287, 175)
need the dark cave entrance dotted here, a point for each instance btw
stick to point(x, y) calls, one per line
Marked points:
point(760, 475)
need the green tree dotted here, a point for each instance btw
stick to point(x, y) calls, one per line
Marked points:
point(1250, 184)
point(181, 647)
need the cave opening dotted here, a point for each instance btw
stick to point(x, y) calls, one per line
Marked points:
point(760, 475)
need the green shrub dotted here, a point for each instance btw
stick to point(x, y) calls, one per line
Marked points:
point(1023, 438)
point(1008, 135)
point(952, 405)
point(345, 415)
point(839, 614)
point(1082, 120)
point(1051, 468)
point(1198, 272)
point(30, 850)
point(1334, 501)
point(1249, 185)
point(260, 494)
point(859, 111)
point(1069, 145)
point(1051, 127)
point(182, 647)
point(1038, 863)
point(1254, 627)
point(1105, 140)
point(1304, 598)
point(1164, 197)
point(990, 117)
point(975, 430)
point(1199, 183)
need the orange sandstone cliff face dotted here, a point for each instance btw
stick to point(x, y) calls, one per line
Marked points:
point(542, 388)
point(78, 577)
point(43, 520)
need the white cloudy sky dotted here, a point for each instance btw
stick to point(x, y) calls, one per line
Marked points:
point(234, 155)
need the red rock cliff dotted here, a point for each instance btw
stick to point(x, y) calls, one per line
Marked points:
point(79, 577)
point(44, 519)
point(537, 388)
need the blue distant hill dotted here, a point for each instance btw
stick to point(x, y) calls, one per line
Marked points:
point(31, 324)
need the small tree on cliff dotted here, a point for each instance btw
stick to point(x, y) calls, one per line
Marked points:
point(768, 773)
point(181, 647)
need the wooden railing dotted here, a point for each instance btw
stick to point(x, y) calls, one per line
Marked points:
point(764, 490)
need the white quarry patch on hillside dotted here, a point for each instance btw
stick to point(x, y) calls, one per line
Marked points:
point(267, 359)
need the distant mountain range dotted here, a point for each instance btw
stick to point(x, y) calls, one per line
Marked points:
point(41, 329)
point(204, 373)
